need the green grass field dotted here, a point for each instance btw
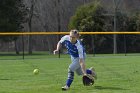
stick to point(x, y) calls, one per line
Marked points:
point(116, 74)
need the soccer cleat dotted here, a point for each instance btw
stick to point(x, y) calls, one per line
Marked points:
point(93, 72)
point(65, 88)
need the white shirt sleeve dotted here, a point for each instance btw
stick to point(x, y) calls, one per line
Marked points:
point(66, 37)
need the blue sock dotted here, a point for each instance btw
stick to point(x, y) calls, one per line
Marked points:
point(88, 71)
point(69, 81)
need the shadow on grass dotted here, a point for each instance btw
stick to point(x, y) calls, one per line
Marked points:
point(5, 79)
point(13, 56)
point(110, 88)
point(35, 54)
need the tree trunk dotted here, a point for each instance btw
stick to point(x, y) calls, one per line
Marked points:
point(16, 47)
point(92, 44)
point(30, 38)
point(115, 36)
point(30, 44)
point(30, 26)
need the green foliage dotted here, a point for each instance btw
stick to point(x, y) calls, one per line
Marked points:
point(12, 15)
point(88, 18)
point(93, 17)
point(133, 24)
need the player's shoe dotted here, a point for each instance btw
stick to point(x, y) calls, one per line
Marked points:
point(65, 88)
point(93, 72)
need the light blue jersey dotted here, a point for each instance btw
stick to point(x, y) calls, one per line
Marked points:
point(76, 49)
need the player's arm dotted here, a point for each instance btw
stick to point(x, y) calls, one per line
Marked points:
point(82, 64)
point(59, 44)
point(81, 59)
point(57, 48)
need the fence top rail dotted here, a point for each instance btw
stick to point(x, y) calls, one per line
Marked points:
point(62, 33)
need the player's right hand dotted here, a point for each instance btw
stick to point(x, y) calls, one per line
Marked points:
point(55, 52)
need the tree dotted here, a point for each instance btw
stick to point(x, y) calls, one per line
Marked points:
point(12, 16)
point(89, 17)
point(133, 24)
point(30, 18)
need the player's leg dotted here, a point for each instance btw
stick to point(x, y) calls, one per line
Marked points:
point(79, 71)
point(93, 73)
point(69, 80)
point(90, 71)
point(72, 67)
point(70, 77)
